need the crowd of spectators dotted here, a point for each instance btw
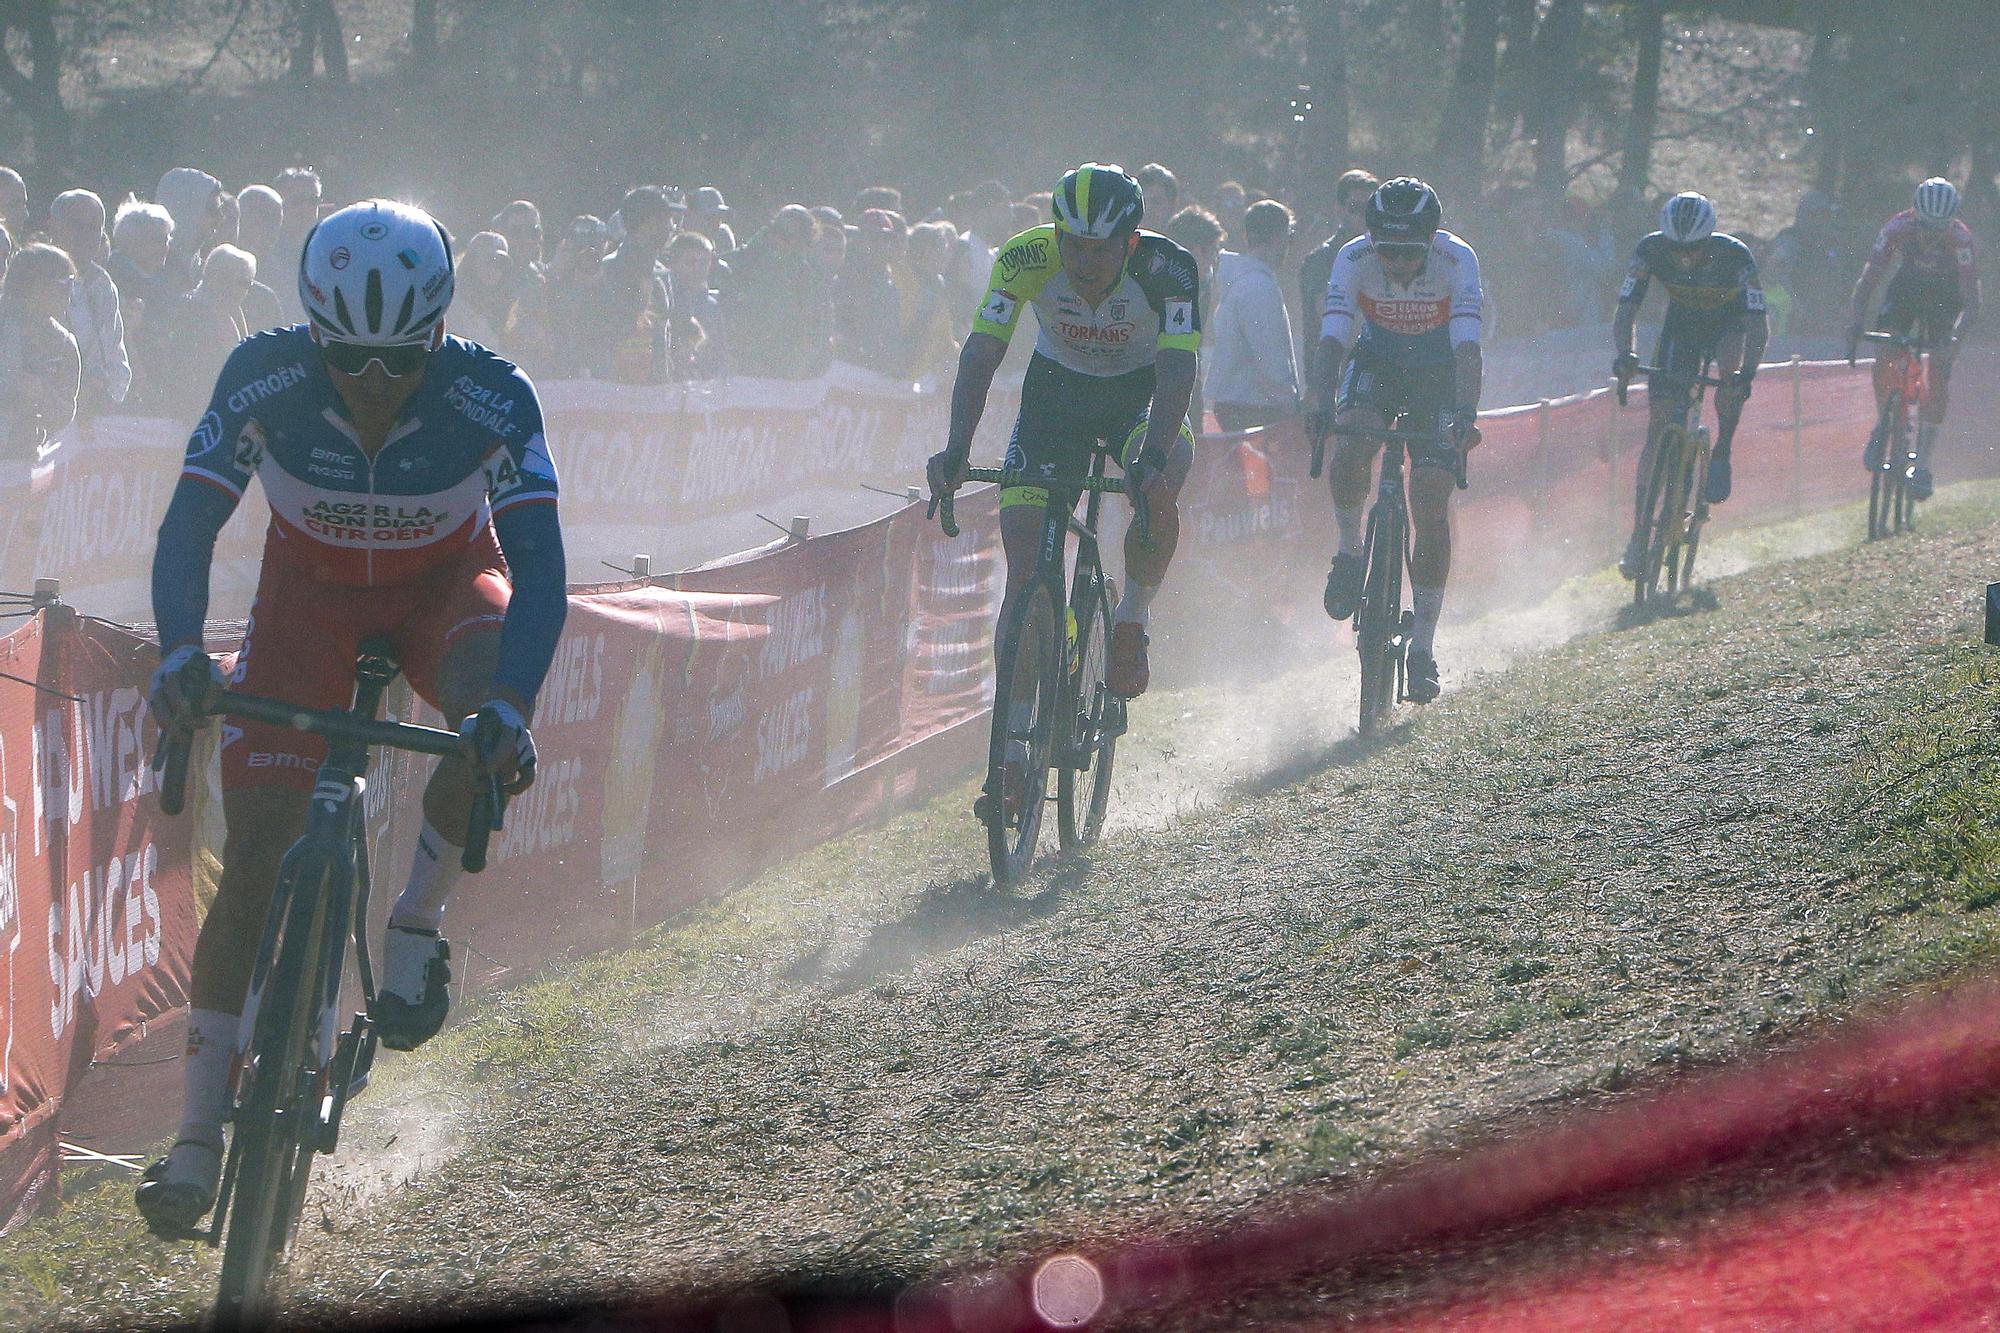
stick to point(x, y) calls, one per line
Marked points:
point(135, 311)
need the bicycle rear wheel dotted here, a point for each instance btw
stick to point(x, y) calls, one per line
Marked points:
point(1083, 782)
point(1698, 502)
point(1377, 621)
point(1025, 701)
point(270, 1159)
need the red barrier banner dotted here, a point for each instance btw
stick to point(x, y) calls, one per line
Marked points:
point(97, 904)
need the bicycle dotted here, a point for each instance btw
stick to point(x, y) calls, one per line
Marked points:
point(294, 1075)
point(1674, 505)
point(1383, 626)
point(1049, 695)
point(1893, 452)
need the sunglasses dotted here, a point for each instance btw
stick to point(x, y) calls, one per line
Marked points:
point(397, 360)
point(1401, 249)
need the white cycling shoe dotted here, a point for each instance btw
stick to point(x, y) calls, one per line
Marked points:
point(415, 990)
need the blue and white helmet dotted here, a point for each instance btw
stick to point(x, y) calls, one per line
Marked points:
point(1936, 202)
point(1688, 218)
point(377, 273)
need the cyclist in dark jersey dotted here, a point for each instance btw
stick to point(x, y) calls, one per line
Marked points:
point(1715, 311)
point(412, 495)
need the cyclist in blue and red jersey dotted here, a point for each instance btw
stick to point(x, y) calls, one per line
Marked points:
point(412, 496)
point(1400, 336)
point(1935, 289)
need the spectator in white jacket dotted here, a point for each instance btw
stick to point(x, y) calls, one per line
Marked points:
point(76, 223)
point(1253, 375)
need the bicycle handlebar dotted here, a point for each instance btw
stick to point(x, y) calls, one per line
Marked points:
point(1410, 437)
point(488, 806)
point(943, 510)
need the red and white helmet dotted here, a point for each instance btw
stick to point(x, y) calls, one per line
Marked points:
point(1936, 202)
point(378, 273)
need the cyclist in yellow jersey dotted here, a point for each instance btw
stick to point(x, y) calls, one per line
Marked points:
point(1119, 311)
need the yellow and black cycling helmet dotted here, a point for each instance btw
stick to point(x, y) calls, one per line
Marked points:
point(1098, 200)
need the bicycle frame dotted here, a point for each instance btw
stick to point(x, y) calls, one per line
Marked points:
point(286, 1111)
point(1065, 732)
point(1382, 624)
point(1906, 362)
point(1674, 506)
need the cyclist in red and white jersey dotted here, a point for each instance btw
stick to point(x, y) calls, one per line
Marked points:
point(1935, 288)
point(1404, 297)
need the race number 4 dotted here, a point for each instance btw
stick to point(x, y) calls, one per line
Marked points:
point(999, 307)
point(1179, 317)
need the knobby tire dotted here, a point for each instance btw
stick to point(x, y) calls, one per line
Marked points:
point(1647, 581)
point(269, 1143)
point(1377, 619)
point(1083, 785)
point(1669, 520)
point(1698, 507)
point(1887, 488)
point(1028, 673)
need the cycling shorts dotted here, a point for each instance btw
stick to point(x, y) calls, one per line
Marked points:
point(1065, 413)
point(1683, 349)
point(1418, 394)
point(1923, 302)
point(303, 638)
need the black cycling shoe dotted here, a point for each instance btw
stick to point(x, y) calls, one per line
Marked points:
point(1420, 680)
point(1343, 586)
point(1920, 483)
point(173, 1209)
point(400, 1024)
point(1634, 557)
point(1718, 478)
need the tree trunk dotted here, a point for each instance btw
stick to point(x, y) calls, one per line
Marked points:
point(1553, 100)
point(1825, 76)
point(1324, 144)
point(37, 91)
point(1468, 106)
point(1517, 27)
point(423, 36)
point(1635, 165)
point(318, 30)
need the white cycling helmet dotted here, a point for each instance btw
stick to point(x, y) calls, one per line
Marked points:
point(378, 273)
point(1936, 202)
point(1688, 218)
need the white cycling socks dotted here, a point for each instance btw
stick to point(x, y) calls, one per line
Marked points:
point(434, 870)
point(1136, 606)
point(211, 1048)
point(1429, 605)
point(1348, 519)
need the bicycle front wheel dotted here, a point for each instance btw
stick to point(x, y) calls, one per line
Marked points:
point(270, 1159)
point(1377, 620)
point(1675, 465)
point(1646, 580)
point(1885, 489)
point(1025, 702)
point(1083, 782)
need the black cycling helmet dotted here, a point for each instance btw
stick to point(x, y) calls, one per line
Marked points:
point(1404, 211)
point(1098, 200)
